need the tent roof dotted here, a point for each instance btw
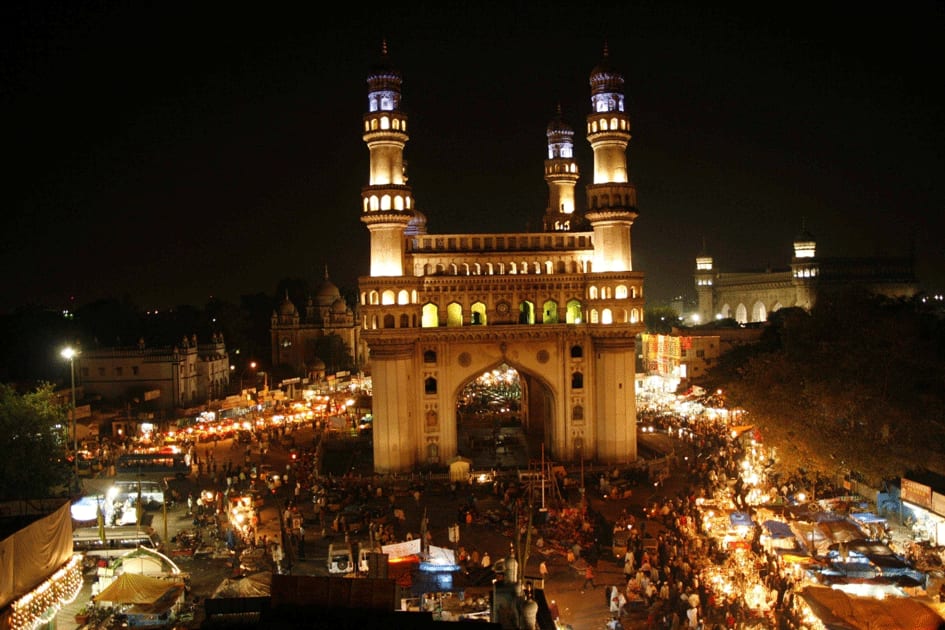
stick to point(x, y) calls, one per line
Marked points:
point(131, 588)
point(837, 609)
point(254, 585)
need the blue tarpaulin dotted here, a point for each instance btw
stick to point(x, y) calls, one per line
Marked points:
point(778, 529)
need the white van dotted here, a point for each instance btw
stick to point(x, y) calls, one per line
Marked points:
point(118, 540)
point(340, 558)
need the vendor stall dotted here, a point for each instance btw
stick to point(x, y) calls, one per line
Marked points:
point(823, 607)
point(145, 601)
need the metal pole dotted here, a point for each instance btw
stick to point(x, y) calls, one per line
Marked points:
point(75, 432)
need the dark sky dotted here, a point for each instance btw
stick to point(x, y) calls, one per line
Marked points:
point(170, 152)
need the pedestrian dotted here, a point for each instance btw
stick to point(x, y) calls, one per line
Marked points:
point(628, 564)
point(543, 570)
point(588, 578)
point(486, 560)
point(190, 504)
point(553, 609)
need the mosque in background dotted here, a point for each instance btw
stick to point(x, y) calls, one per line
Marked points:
point(750, 296)
point(562, 307)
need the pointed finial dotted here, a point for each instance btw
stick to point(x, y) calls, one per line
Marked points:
point(326, 271)
point(384, 46)
point(606, 49)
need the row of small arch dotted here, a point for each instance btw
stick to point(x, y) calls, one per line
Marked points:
point(384, 123)
point(759, 312)
point(389, 297)
point(526, 314)
point(374, 203)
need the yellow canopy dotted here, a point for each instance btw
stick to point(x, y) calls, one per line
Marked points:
point(131, 588)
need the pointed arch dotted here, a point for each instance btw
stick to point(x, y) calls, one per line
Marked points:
point(526, 312)
point(478, 314)
point(741, 314)
point(454, 314)
point(431, 316)
point(549, 312)
point(574, 313)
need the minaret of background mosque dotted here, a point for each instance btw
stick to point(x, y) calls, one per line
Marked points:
point(611, 198)
point(386, 202)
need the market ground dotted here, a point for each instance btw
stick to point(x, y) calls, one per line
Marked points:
point(580, 608)
point(438, 504)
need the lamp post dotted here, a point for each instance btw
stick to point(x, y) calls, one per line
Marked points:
point(70, 353)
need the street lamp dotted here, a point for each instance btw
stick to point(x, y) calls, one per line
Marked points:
point(70, 353)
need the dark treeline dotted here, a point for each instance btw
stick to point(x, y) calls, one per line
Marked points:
point(856, 385)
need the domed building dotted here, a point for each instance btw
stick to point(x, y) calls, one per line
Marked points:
point(295, 338)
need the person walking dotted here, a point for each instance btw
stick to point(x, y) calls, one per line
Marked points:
point(588, 578)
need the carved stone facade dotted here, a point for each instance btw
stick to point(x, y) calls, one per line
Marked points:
point(562, 307)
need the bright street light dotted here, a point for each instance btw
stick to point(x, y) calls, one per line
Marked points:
point(70, 354)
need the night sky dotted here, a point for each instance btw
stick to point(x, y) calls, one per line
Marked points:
point(168, 153)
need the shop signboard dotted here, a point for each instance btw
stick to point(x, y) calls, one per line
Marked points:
point(916, 493)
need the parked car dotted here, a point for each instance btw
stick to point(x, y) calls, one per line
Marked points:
point(340, 558)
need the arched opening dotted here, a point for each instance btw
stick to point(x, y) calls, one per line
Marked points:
point(502, 417)
point(759, 313)
point(454, 314)
point(550, 312)
point(431, 316)
point(477, 314)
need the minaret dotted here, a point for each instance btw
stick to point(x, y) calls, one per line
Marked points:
point(804, 268)
point(387, 203)
point(611, 198)
point(705, 278)
point(561, 173)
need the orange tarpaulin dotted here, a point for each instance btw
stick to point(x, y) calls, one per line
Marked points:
point(130, 588)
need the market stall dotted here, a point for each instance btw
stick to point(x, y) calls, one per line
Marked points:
point(823, 607)
point(145, 601)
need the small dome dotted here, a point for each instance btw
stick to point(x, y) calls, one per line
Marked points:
point(327, 293)
point(557, 124)
point(318, 365)
point(417, 224)
point(383, 75)
point(604, 77)
point(804, 237)
point(339, 306)
point(287, 307)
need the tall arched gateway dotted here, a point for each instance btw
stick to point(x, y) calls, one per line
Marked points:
point(561, 306)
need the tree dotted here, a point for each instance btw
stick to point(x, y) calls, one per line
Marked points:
point(35, 427)
point(857, 371)
point(660, 319)
point(333, 350)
